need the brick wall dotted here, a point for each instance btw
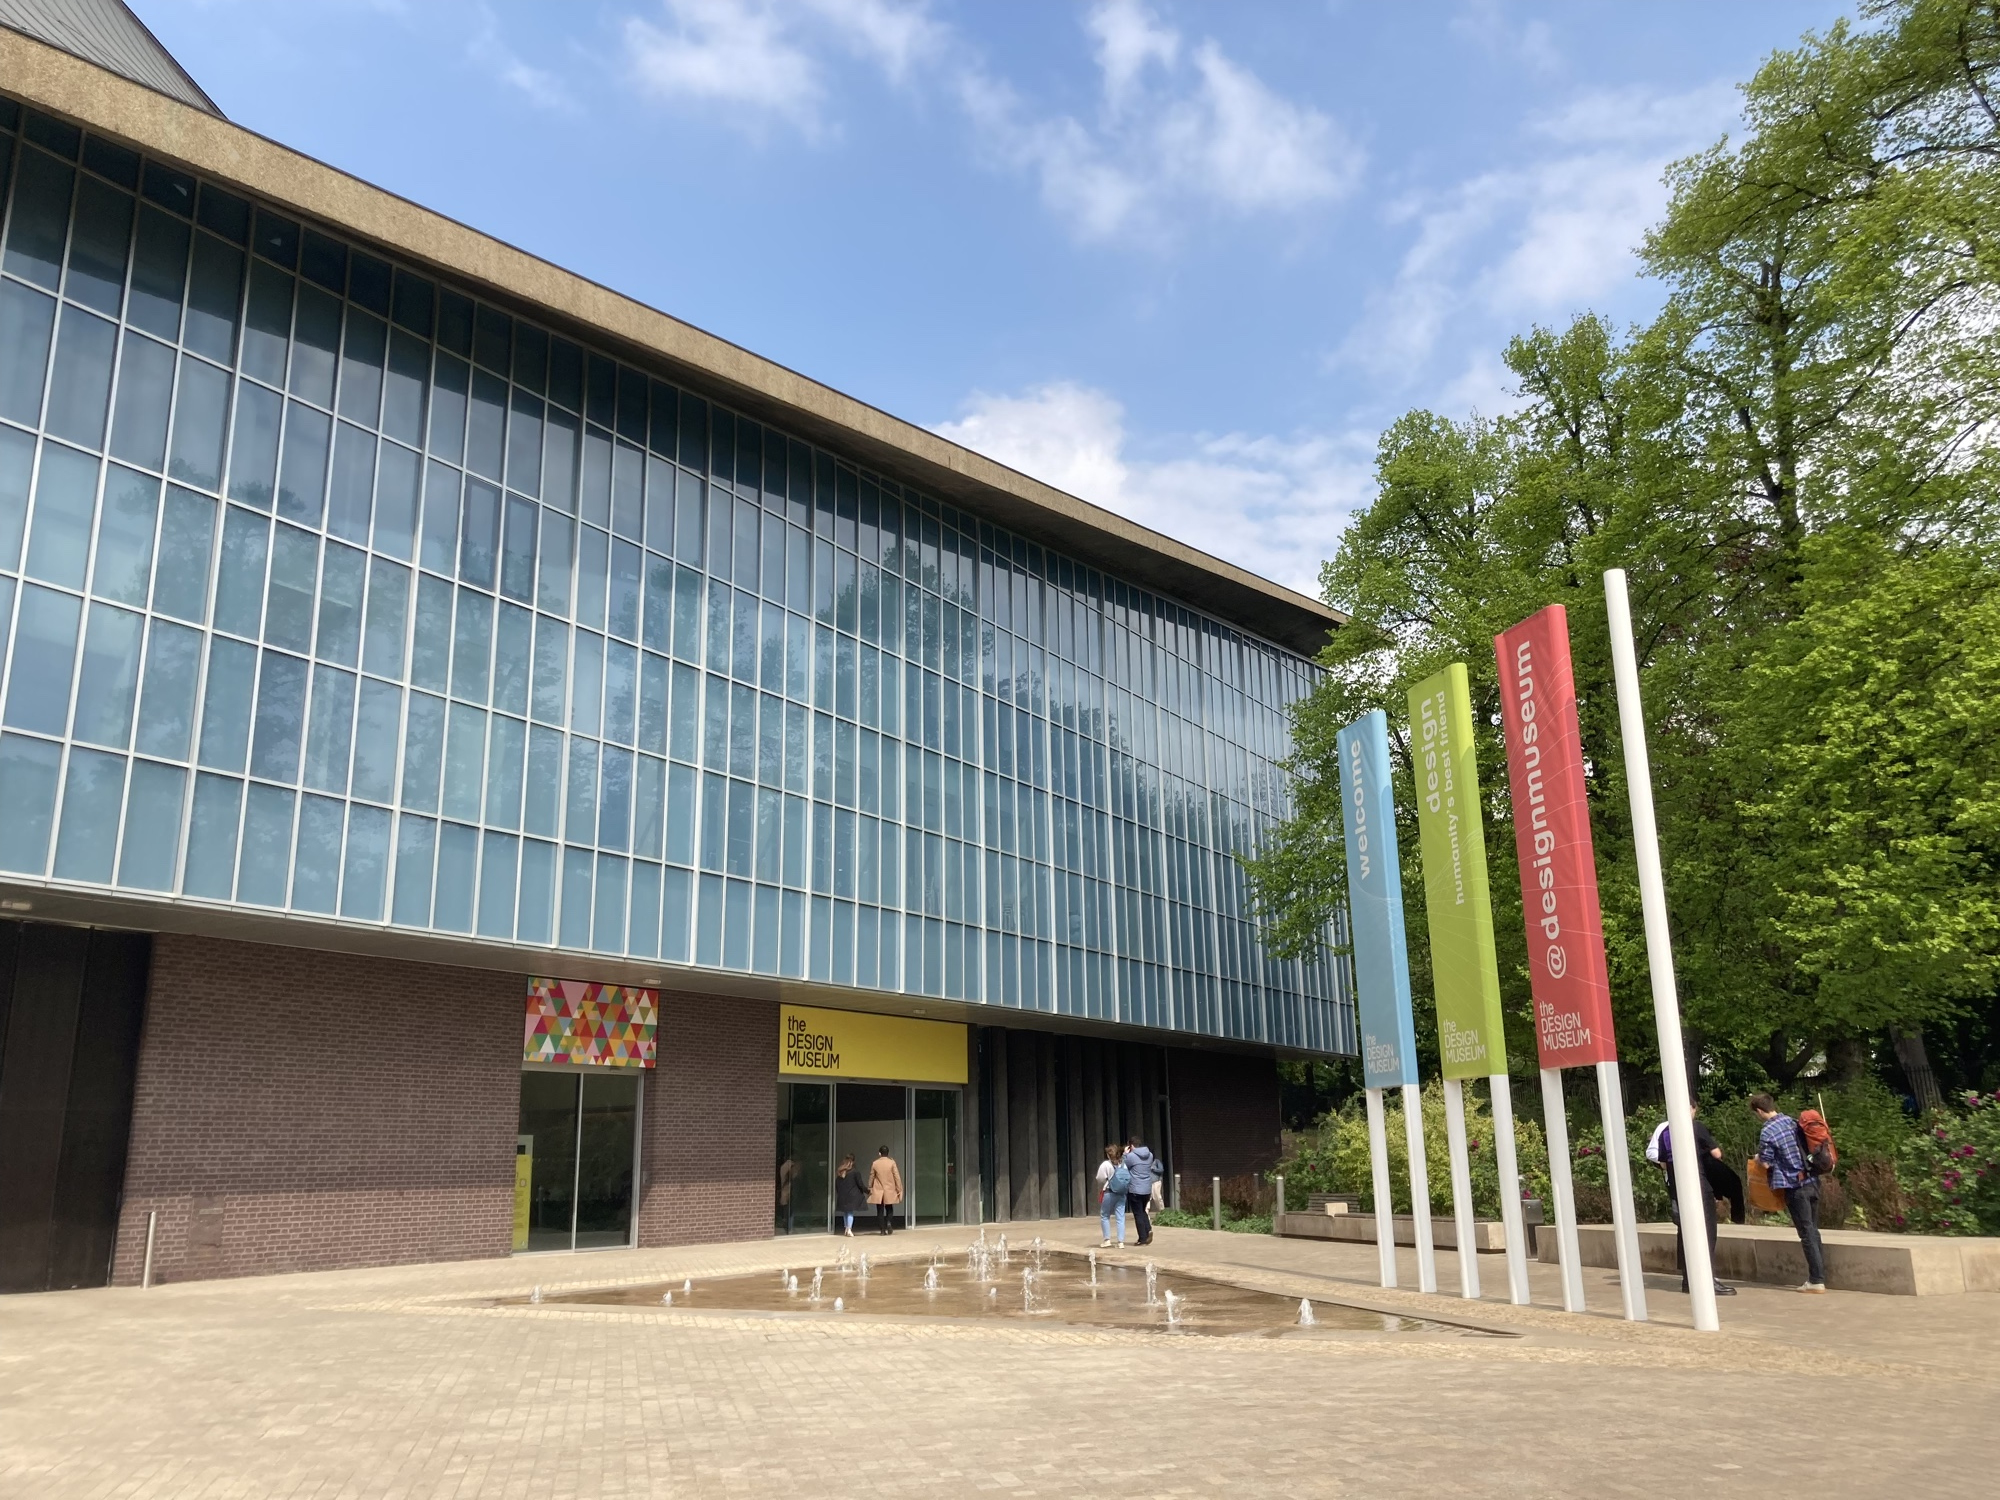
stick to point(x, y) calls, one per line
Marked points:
point(1226, 1119)
point(711, 1122)
point(298, 1110)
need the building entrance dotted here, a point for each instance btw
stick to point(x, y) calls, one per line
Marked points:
point(575, 1162)
point(819, 1123)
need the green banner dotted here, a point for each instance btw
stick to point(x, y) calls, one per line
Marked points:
point(1450, 827)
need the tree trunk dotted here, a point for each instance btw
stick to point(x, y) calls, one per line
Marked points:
point(1916, 1063)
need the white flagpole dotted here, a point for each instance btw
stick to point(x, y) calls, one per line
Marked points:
point(1420, 1188)
point(1689, 1185)
point(1461, 1188)
point(1510, 1188)
point(1555, 1118)
point(1385, 1204)
point(1618, 1167)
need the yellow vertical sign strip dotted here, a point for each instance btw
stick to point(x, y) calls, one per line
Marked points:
point(524, 1187)
point(1451, 831)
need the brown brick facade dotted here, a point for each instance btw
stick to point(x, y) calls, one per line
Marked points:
point(298, 1110)
point(711, 1122)
point(1226, 1117)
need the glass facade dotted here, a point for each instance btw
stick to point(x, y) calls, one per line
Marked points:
point(327, 587)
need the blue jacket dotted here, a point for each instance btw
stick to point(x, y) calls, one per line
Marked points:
point(1140, 1163)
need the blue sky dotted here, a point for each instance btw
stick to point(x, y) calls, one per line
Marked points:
point(1185, 260)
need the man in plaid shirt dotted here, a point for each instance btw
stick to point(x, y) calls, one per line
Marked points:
point(1780, 1146)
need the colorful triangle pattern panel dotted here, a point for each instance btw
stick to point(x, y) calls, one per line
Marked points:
point(598, 1025)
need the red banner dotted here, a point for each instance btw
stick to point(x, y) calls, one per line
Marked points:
point(1552, 835)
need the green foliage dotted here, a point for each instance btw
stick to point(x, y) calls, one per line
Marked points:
point(1232, 1221)
point(1951, 1171)
point(1795, 463)
point(1335, 1158)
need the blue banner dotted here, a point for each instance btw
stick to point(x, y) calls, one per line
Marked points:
point(1375, 905)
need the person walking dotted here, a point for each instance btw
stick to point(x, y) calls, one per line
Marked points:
point(1113, 1182)
point(885, 1190)
point(788, 1176)
point(850, 1194)
point(1706, 1154)
point(1783, 1148)
point(1145, 1171)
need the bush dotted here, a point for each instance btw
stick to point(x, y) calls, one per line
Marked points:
point(1181, 1218)
point(1334, 1158)
point(1950, 1173)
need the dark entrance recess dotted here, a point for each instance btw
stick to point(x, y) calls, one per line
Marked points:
point(71, 1004)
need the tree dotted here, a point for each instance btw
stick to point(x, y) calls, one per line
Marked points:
point(1794, 463)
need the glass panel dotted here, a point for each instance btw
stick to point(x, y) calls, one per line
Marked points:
point(934, 1156)
point(804, 1187)
point(604, 1165)
point(44, 655)
point(110, 676)
point(200, 415)
point(151, 845)
point(166, 703)
point(180, 583)
point(65, 500)
point(125, 540)
point(145, 392)
point(27, 801)
point(548, 1139)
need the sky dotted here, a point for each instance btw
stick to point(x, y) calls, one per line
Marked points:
point(1185, 260)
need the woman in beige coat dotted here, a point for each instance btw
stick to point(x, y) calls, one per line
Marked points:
point(885, 1190)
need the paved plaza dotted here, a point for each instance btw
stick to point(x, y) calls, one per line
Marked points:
point(410, 1382)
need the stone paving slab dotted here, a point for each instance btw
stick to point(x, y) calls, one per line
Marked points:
point(407, 1382)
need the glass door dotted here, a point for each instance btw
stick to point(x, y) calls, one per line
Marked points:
point(805, 1168)
point(820, 1123)
point(575, 1159)
point(934, 1169)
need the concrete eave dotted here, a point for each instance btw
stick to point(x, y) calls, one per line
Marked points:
point(103, 101)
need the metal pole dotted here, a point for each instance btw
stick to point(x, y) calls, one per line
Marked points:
point(1177, 1190)
point(1691, 1184)
point(1278, 1206)
point(146, 1270)
point(1618, 1166)
point(1555, 1118)
point(1510, 1187)
point(1215, 1203)
point(1385, 1204)
point(1420, 1188)
point(1461, 1188)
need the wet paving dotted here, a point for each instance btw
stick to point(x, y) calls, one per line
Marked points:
point(1021, 1282)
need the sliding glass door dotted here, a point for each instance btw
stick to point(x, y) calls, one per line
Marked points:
point(579, 1132)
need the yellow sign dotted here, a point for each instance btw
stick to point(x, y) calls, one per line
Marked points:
point(853, 1044)
point(524, 1187)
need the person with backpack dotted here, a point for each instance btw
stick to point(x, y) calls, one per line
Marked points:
point(1706, 1154)
point(1145, 1170)
point(850, 1194)
point(1114, 1181)
point(1796, 1162)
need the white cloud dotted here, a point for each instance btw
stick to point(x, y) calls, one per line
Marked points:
point(1273, 505)
point(895, 36)
point(1128, 39)
point(490, 52)
point(739, 53)
point(763, 58)
point(1537, 240)
point(1486, 24)
point(1175, 128)
point(1168, 135)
